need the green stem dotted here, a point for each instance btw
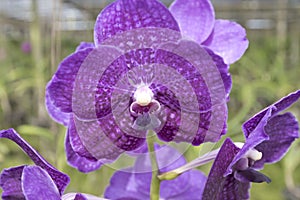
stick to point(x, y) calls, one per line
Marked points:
point(155, 182)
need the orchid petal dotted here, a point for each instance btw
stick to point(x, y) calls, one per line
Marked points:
point(84, 45)
point(224, 70)
point(122, 186)
point(55, 112)
point(80, 196)
point(168, 159)
point(278, 106)
point(282, 131)
point(206, 96)
point(195, 18)
point(216, 181)
point(60, 89)
point(234, 189)
point(104, 140)
point(83, 164)
point(76, 143)
point(37, 184)
point(228, 40)
point(10, 182)
point(194, 191)
point(257, 136)
point(125, 15)
point(60, 179)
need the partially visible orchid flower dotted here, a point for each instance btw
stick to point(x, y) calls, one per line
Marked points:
point(134, 183)
point(142, 74)
point(35, 182)
point(268, 137)
point(196, 19)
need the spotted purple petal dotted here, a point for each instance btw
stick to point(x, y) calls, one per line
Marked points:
point(217, 184)
point(224, 70)
point(83, 164)
point(60, 89)
point(37, 184)
point(195, 18)
point(84, 45)
point(10, 182)
point(228, 39)
point(125, 15)
point(282, 131)
point(76, 143)
point(61, 180)
point(105, 147)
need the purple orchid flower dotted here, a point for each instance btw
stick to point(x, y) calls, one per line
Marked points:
point(196, 19)
point(268, 137)
point(36, 182)
point(134, 182)
point(141, 74)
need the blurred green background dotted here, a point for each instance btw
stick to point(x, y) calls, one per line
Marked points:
point(37, 35)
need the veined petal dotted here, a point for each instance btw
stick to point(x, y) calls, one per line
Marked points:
point(38, 185)
point(60, 179)
point(83, 164)
point(278, 106)
point(195, 18)
point(216, 181)
point(125, 15)
point(234, 189)
point(10, 182)
point(282, 131)
point(60, 88)
point(228, 39)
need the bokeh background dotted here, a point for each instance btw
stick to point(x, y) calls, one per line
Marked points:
point(35, 35)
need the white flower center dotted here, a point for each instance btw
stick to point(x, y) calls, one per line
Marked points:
point(143, 95)
point(253, 154)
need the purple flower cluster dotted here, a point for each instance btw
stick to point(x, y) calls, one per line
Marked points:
point(153, 69)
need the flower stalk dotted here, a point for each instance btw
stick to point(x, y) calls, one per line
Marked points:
point(155, 182)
